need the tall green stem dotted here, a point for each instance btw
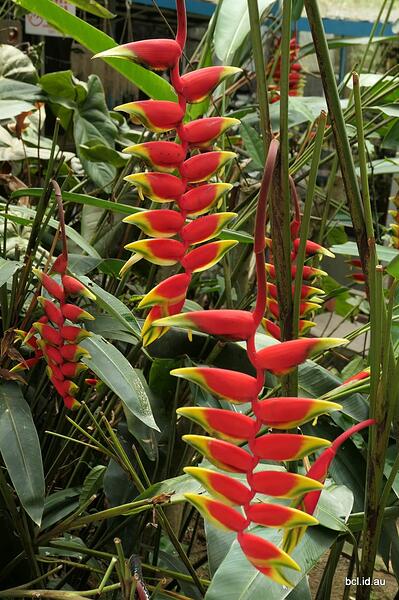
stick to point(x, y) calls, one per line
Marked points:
point(339, 130)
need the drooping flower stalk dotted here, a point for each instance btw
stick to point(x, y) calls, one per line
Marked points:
point(55, 336)
point(177, 177)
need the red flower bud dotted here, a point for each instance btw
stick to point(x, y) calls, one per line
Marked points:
point(60, 264)
point(72, 352)
point(203, 132)
point(48, 333)
point(72, 369)
point(160, 252)
point(75, 313)
point(206, 256)
point(159, 187)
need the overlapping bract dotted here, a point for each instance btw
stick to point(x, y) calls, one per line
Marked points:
point(177, 177)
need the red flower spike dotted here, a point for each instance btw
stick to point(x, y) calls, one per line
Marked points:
point(287, 413)
point(163, 223)
point(205, 228)
point(197, 85)
point(55, 371)
point(221, 486)
point(272, 328)
point(159, 187)
point(222, 454)
point(229, 385)
point(202, 167)
point(263, 554)
point(284, 357)
point(217, 513)
point(48, 333)
point(286, 446)
point(200, 200)
point(73, 287)
point(156, 115)
point(169, 291)
point(52, 311)
point(225, 424)
point(72, 369)
point(159, 252)
point(277, 515)
point(53, 288)
point(283, 484)
point(163, 156)
point(70, 333)
point(206, 256)
point(230, 324)
point(75, 313)
point(158, 54)
point(73, 353)
point(203, 132)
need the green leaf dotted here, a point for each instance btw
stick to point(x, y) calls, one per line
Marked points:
point(59, 505)
point(96, 41)
point(93, 7)
point(391, 110)
point(118, 374)
point(20, 449)
point(253, 144)
point(15, 64)
point(393, 267)
point(92, 483)
point(232, 27)
point(97, 152)
point(177, 486)
point(113, 307)
point(384, 253)
point(7, 269)
point(17, 97)
point(334, 507)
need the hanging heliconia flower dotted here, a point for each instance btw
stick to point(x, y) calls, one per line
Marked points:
point(228, 430)
point(56, 335)
point(177, 177)
point(296, 78)
point(311, 293)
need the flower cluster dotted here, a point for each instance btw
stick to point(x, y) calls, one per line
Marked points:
point(55, 336)
point(296, 79)
point(229, 430)
point(310, 295)
point(180, 175)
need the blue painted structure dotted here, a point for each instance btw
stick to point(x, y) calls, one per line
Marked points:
point(337, 27)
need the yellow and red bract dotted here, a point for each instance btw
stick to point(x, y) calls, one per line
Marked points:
point(159, 187)
point(225, 424)
point(287, 413)
point(198, 85)
point(200, 199)
point(222, 454)
point(158, 54)
point(203, 132)
point(162, 223)
point(205, 228)
point(169, 291)
point(283, 484)
point(233, 386)
point(286, 446)
point(158, 251)
point(163, 156)
point(222, 486)
point(157, 115)
point(206, 256)
point(278, 515)
point(202, 167)
point(220, 515)
point(231, 324)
